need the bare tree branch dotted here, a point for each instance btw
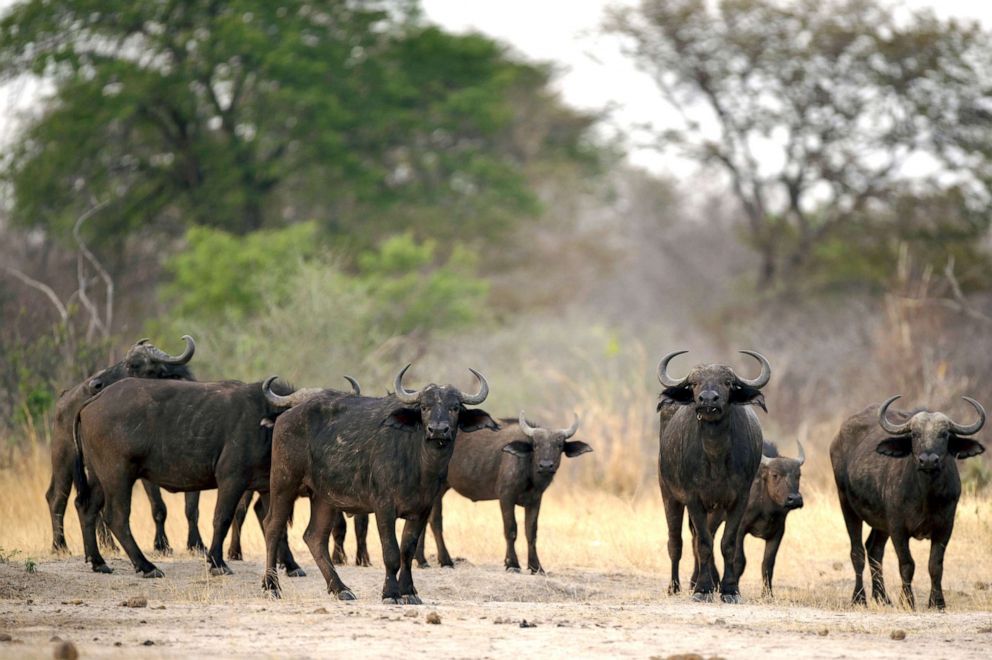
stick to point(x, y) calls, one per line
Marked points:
point(44, 288)
point(108, 281)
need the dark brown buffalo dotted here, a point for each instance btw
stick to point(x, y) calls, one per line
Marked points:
point(774, 493)
point(898, 474)
point(709, 453)
point(383, 455)
point(514, 465)
point(182, 436)
point(143, 360)
point(234, 552)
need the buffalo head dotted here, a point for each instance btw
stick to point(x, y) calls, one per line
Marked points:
point(930, 437)
point(711, 388)
point(144, 360)
point(441, 410)
point(780, 478)
point(545, 447)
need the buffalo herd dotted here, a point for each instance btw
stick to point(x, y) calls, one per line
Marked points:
point(146, 418)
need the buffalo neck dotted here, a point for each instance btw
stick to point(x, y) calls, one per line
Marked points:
point(714, 435)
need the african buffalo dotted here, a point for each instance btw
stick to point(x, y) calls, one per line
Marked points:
point(143, 360)
point(899, 475)
point(774, 493)
point(383, 455)
point(709, 453)
point(234, 552)
point(182, 436)
point(514, 465)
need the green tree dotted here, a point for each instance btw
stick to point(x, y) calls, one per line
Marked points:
point(823, 114)
point(241, 114)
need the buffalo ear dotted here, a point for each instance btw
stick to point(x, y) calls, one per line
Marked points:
point(744, 395)
point(897, 446)
point(473, 419)
point(964, 447)
point(407, 419)
point(575, 448)
point(680, 394)
point(518, 448)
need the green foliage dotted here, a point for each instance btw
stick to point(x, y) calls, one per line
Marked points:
point(244, 114)
point(220, 274)
point(30, 566)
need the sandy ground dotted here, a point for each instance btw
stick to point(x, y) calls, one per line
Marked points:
point(574, 612)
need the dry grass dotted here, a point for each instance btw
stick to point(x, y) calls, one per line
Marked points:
point(581, 527)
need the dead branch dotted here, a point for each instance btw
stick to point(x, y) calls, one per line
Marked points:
point(44, 288)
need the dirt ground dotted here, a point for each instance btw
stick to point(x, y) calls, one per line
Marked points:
point(482, 610)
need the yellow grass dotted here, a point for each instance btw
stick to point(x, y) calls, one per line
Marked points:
point(580, 527)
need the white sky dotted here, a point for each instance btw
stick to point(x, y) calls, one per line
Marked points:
point(565, 32)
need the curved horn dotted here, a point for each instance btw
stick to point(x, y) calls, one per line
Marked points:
point(570, 431)
point(290, 400)
point(184, 357)
point(142, 341)
point(355, 387)
point(894, 429)
point(802, 452)
point(403, 394)
point(766, 460)
point(663, 376)
point(764, 376)
point(525, 427)
point(974, 428)
point(480, 396)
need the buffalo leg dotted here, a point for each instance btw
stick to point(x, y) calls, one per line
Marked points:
point(88, 511)
point(420, 556)
point(228, 496)
point(713, 521)
point(876, 552)
point(900, 543)
point(768, 561)
point(703, 546)
point(281, 501)
point(194, 542)
point(437, 529)
point(385, 520)
point(854, 531)
point(118, 511)
point(285, 555)
point(234, 552)
point(338, 532)
point(530, 530)
point(104, 536)
point(510, 562)
point(938, 544)
point(316, 536)
point(159, 514)
point(362, 539)
point(58, 491)
point(674, 514)
point(413, 529)
point(731, 544)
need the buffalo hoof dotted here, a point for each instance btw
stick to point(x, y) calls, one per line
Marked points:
point(423, 564)
point(196, 548)
point(733, 599)
point(448, 566)
point(165, 551)
point(512, 569)
point(102, 568)
point(275, 594)
point(392, 601)
point(363, 560)
point(348, 594)
point(234, 555)
point(221, 570)
point(296, 572)
point(60, 548)
point(412, 599)
point(537, 571)
point(702, 597)
point(153, 573)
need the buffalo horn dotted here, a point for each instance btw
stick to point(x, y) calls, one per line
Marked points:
point(663, 376)
point(764, 376)
point(403, 394)
point(480, 396)
point(974, 428)
point(894, 429)
point(525, 427)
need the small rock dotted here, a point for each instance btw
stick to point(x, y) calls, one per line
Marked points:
point(148, 642)
point(118, 644)
point(685, 656)
point(410, 614)
point(526, 624)
point(5, 637)
point(135, 601)
point(838, 566)
point(433, 618)
point(55, 638)
point(823, 632)
point(66, 651)
point(320, 610)
point(983, 586)
point(719, 622)
point(159, 607)
point(898, 635)
point(985, 629)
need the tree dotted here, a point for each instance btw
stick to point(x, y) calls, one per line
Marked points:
point(821, 112)
point(240, 114)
